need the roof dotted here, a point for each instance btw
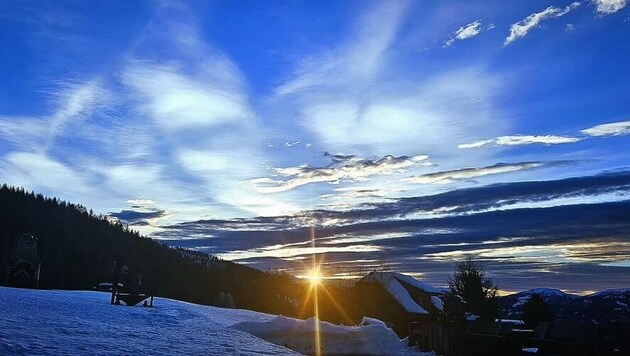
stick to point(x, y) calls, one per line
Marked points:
point(392, 282)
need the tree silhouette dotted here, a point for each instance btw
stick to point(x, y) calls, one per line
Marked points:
point(535, 310)
point(469, 286)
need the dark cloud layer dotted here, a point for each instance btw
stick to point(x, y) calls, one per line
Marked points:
point(522, 246)
point(472, 173)
point(138, 217)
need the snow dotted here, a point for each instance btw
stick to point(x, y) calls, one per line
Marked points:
point(510, 321)
point(82, 322)
point(372, 337)
point(366, 321)
point(611, 293)
point(391, 281)
point(37, 322)
point(547, 292)
point(416, 283)
point(437, 302)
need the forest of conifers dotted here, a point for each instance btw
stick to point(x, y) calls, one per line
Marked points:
point(77, 250)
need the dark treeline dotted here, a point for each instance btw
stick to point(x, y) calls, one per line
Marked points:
point(77, 250)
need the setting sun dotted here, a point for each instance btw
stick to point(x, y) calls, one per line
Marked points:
point(315, 277)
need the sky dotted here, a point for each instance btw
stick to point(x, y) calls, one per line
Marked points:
point(406, 135)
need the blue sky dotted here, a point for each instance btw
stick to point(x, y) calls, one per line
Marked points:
point(231, 127)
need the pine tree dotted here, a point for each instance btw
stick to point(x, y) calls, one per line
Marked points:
point(535, 310)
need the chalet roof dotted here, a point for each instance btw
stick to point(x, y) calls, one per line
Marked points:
point(394, 283)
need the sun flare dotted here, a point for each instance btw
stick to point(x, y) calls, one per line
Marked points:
point(315, 277)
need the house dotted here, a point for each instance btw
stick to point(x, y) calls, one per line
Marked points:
point(415, 296)
point(398, 299)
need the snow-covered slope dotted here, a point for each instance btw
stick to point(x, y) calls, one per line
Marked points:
point(36, 322)
point(549, 295)
point(546, 292)
point(611, 293)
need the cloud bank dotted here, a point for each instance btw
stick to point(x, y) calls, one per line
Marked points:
point(342, 168)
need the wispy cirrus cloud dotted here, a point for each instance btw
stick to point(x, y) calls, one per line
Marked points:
point(430, 113)
point(520, 140)
point(446, 177)
point(195, 98)
point(178, 101)
point(465, 32)
point(78, 100)
point(71, 102)
point(522, 28)
point(343, 168)
point(606, 7)
point(611, 129)
point(359, 59)
point(620, 128)
point(342, 96)
point(41, 171)
point(24, 130)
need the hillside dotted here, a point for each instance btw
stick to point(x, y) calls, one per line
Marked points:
point(77, 250)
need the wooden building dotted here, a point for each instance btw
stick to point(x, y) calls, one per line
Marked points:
point(398, 299)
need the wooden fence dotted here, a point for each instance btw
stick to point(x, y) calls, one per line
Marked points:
point(496, 338)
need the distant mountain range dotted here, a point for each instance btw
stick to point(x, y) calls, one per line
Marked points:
point(603, 308)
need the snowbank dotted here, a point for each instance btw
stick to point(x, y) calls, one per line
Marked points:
point(372, 337)
point(52, 322)
point(37, 322)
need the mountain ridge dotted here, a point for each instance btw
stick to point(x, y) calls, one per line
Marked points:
point(605, 307)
